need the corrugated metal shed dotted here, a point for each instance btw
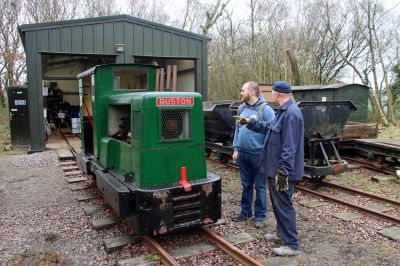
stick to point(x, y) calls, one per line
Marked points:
point(99, 37)
point(357, 93)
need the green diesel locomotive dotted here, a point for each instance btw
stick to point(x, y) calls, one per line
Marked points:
point(146, 149)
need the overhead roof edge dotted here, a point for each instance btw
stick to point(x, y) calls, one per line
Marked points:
point(123, 17)
point(329, 86)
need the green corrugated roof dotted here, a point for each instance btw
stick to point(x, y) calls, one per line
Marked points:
point(324, 87)
point(123, 17)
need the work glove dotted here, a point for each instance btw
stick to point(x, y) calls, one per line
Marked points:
point(241, 120)
point(281, 181)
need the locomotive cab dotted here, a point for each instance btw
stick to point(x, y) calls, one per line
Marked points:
point(147, 153)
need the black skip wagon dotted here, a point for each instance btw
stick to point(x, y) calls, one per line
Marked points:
point(324, 122)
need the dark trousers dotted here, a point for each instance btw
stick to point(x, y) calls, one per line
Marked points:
point(251, 178)
point(285, 214)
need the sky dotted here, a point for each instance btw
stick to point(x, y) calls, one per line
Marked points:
point(241, 9)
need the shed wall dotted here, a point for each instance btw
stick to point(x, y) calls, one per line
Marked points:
point(358, 94)
point(99, 37)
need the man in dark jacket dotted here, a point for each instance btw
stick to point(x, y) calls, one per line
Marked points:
point(282, 161)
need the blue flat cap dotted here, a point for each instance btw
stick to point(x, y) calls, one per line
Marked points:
point(282, 87)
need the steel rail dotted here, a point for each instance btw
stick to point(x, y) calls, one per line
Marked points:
point(165, 257)
point(157, 248)
point(382, 216)
point(371, 166)
point(379, 215)
point(359, 192)
point(72, 150)
point(229, 248)
point(226, 164)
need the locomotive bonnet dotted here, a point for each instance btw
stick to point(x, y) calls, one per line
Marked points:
point(146, 150)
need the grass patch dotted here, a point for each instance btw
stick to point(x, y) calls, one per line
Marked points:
point(384, 248)
point(391, 132)
point(359, 181)
point(5, 137)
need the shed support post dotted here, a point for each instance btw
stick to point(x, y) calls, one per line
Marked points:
point(35, 97)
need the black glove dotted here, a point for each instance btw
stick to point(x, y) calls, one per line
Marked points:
point(281, 181)
point(241, 120)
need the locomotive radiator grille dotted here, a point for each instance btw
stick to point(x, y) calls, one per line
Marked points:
point(187, 208)
point(175, 125)
point(137, 126)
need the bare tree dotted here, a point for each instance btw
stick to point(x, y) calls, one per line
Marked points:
point(226, 69)
point(268, 40)
point(50, 10)
point(368, 27)
point(98, 8)
point(152, 10)
point(193, 12)
point(12, 59)
point(381, 44)
point(212, 14)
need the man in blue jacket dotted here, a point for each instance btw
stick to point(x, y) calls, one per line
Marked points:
point(282, 161)
point(247, 146)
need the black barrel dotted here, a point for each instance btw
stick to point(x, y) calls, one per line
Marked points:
point(325, 120)
point(218, 121)
point(323, 124)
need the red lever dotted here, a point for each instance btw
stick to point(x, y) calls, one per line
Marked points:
point(185, 184)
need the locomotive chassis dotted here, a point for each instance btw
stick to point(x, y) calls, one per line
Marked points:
point(157, 211)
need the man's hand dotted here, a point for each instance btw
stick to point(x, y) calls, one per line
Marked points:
point(281, 181)
point(235, 155)
point(241, 120)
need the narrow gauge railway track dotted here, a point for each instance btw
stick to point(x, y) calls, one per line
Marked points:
point(357, 192)
point(230, 165)
point(382, 216)
point(229, 248)
point(372, 165)
point(210, 234)
point(66, 138)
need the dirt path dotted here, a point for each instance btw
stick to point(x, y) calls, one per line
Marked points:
point(42, 223)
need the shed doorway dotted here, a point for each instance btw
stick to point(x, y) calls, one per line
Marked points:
point(61, 92)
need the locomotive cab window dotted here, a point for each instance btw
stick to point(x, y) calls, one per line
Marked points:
point(128, 79)
point(175, 125)
point(119, 122)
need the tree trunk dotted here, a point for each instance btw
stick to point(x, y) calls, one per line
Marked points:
point(379, 108)
point(294, 67)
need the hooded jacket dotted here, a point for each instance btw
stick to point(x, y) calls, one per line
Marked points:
point(247, 140)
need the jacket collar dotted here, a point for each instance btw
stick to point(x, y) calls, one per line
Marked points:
point(287, 104)
point(258, 102)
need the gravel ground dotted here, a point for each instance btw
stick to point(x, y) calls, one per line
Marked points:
point(42, 223)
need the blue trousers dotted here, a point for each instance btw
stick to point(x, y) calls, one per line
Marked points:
point(251, 178)
point(285, 214)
